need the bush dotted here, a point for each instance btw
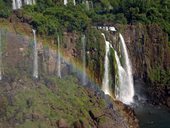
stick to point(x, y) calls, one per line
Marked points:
point(5, 9)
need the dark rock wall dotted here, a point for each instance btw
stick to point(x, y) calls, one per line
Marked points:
point(148, 49)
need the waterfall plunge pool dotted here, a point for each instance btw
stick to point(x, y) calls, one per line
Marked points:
point(150, 116)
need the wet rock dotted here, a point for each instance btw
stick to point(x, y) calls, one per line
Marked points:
point(62, 123)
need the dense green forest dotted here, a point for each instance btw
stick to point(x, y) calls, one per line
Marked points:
point(49, 16)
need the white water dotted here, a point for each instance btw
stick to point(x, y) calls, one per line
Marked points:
point(59, 59)
point(33, 1)
point(74, 2)
point(126, 88)
point(84, 59)
point(105, 83)
point(17, 4)
point(27, 1)
point(121, 90)
point(35, 63)
point(14, 7)
point(65, 2)
point(87, 5)
point(0, 56)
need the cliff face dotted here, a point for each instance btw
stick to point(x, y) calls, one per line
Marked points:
point(150, 56)
point(35, 101)
point(149, 52)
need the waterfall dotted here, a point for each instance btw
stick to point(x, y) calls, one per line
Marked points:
point(35, 65)
point(14, 7)
point(33, 1)
point(125, 92)
point(105, 83)
point(74, 2)
point(83, 40)
point(29, 2)
point(65, 2)
point(121, 88)
point(17, 4)
point(87, 5)
point(59, 59)
point(0, 56)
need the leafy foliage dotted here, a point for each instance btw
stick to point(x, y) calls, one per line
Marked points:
point(5, 9)
point(133, 11)
point(49, 15)
point(49, 20)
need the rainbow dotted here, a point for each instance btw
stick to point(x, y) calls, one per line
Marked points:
point(74, 62)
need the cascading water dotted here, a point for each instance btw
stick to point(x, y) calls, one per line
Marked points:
point(35, 63)
point(29, 2)
point(0, 56)
point(33, 1)
point(14, 6)
point(65, 2)
point(17, 4)
point(84, 59)
point(74, 2)
point(121, 88)
point(125, 91)
point(105, 83)
point(87, 5)
point(59, 59)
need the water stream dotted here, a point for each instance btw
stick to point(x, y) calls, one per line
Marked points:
point(124, 90)
point(17, 4)
point(0, 55)
point(105, 83)
point(35, 63)
point(59, 58)
point(65, 2)
point(83, 40)
point(126, 86)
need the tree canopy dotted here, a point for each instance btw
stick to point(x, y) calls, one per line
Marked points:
point(49, 15)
